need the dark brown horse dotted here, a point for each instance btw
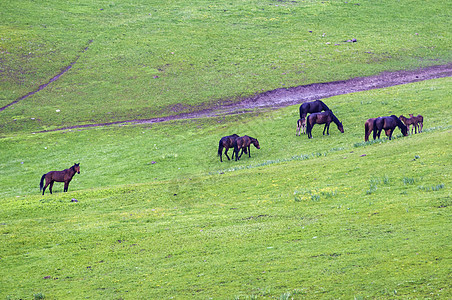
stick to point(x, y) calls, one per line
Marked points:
point(226, 142)
point(368, 127)
point(59, 176)
point(408, 122)
point(301, 126)
point(388, 124)
point(244, 143)
point(418, 122)
point(312, 107)
point(326, 118)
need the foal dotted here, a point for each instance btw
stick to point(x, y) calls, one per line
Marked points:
point(301, 126)
point(418, 122)
point(408, 122)
point(59, 176)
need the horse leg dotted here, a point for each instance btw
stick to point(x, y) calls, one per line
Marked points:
point(226, 153)
point(51, 186)
point(249, 151)
point(327, 128)
point(45, 186)
point(66, 186)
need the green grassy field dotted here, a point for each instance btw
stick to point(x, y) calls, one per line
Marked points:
point(158, 215)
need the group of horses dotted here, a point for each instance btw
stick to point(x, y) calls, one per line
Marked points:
point(238, 143)
point(319, 114)
point(388, 124)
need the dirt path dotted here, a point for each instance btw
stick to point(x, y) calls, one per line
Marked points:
point(290, 96)
point(284, 96)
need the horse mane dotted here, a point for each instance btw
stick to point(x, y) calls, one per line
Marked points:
point(400, 124)
point(325, 107)
point(335, 119)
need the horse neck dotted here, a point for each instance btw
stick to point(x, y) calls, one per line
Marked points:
point(335, 119)
point(72, 171)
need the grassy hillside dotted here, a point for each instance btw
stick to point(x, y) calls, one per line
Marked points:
point(142, 59)
point(158, 215)
point(330, 217)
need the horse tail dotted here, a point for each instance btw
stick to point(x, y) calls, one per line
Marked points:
point(301, 111)
point(220, 148)
point(366, 131)
point(375, 128)
point(41, 184)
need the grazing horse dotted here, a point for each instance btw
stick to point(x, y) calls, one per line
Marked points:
point(368, 127)
point(326, 118)
point(408, 122)
point(301, 126)
point(418, 122)
point(59, 176)
point(312, 107)
point(388, 124)
point(226, 142)
point(244, 143)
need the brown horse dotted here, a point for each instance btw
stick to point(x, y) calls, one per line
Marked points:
point(326, 118)
point(368, 127)
point(301, 126)
point(388, 124)
point(408, 122)
point(418, 122)
point(59, 176)
point(244, 143)
point(226, 142)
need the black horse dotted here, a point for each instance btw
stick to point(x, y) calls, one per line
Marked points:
point(59, 176)
point(312, 107)
point(244, 143)
point(326, 118)
point(226, 142)
point(388, 124)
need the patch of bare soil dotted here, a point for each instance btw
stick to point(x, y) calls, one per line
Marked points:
point(290, 96)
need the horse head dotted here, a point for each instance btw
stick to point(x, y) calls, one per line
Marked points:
point(255, 143)
point(340, 127)
point(77, 168)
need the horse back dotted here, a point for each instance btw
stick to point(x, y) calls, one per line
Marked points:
point(59, 176)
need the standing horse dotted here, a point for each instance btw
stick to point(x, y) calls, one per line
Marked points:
point(388, 124)
point(408, 122)
point(226, 142)
point(312, 107)
point(326, 118)
point(244, 143)
point(368, 127)
point(418, 122)
point(59, 176)
point(301, 126)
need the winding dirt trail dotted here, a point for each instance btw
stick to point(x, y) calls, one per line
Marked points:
point(280, 97)
point(290, 96)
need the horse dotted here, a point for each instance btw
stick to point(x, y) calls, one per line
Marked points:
point(408, 122)
point(59, 176)
point(312, 107)
point(226, 142)
point(301, 126)
point(244, 143)
point(388, 124)
point(326, 118)
point(368, 127)
point(418, 121)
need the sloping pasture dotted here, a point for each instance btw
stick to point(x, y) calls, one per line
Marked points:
point(330, 217)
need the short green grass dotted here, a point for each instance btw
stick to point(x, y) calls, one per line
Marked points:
point(148, 59)
point(158, 215)
point(294, 220)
